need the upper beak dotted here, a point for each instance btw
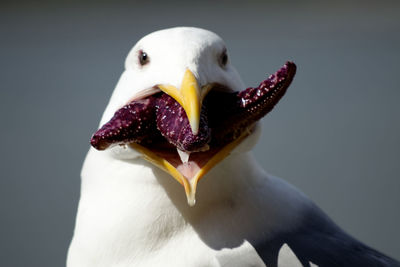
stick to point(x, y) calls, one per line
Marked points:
point(190, 96)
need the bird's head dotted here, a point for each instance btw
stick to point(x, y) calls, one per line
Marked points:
point(180, 104)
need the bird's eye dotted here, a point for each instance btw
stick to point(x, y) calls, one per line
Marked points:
point(143, 58)
point(223, 59)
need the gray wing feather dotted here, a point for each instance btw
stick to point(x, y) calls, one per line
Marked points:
point(320, 241)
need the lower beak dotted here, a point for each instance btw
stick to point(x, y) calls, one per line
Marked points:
point(189, 183)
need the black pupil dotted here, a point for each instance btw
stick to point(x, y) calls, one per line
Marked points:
point(224, 58)
point(143, 58)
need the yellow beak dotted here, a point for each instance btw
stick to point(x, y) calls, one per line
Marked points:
point(190, 96)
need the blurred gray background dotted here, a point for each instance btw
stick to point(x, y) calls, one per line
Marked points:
point(335, 135)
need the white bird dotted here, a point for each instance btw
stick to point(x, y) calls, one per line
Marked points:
point(131, 213)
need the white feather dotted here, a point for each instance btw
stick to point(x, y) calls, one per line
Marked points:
point(287, 258)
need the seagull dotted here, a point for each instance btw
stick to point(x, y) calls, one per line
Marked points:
point(170, 179)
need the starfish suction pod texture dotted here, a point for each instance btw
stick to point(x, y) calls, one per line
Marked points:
point(224, 116)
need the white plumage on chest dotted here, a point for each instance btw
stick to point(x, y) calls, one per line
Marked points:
point(128, 217)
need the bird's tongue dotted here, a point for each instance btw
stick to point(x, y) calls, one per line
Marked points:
point(187, 163)
point(195, 162)
point(189, 169)
point(159, 120)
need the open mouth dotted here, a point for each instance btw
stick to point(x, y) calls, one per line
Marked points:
point(188, 138)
